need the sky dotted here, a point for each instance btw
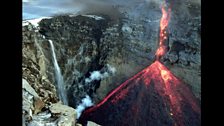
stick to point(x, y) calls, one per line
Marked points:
point(46, 8)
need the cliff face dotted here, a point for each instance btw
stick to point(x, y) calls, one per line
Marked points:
point(39, 92)
point(84, 44)
point(78, 50)
point(35, 64)
point(87, 43)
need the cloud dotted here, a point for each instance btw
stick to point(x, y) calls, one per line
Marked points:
point(48, 8)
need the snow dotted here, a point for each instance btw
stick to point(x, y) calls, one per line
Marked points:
point(34, 22)
point(25, 23)
point(94, 16)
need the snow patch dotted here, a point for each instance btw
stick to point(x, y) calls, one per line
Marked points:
point(25, 23)
point(94, 16)
point(34, 22)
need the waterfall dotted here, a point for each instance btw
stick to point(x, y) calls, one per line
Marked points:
point(59, 77)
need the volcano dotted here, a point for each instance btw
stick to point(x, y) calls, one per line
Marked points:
point(153, 97)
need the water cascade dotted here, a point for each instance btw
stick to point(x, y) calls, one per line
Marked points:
point(58, 77)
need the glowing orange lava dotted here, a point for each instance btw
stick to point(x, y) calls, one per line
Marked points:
point(165, 18)
point(166, 84)
point(160, 52)
point(163, 32)
point(165, 75)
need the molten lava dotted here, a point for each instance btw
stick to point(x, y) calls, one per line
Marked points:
point(163, 33)
point(153, 97)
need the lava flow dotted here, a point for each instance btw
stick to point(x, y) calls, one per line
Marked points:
point(153, 97)
point(163, 33)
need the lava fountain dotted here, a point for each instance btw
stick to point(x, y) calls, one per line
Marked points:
point(152, 97)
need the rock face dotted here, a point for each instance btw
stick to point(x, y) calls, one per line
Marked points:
point(87, 43)
point(35, 65)
point(32, 103)
point(39, 91)
point(68, 114)
point(90, 123)
point(78, 50)
point(31, 95)
point(57, 115)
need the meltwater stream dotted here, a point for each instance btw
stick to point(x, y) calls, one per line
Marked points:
point(58, 77)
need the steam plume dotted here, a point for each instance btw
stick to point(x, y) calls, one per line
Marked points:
point(86, 102)
point(97, 75)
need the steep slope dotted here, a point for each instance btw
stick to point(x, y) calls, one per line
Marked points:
point(153, 97)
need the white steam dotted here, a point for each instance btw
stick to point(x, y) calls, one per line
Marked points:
point(97, 75)
point(111, 69)
point(86, 102)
